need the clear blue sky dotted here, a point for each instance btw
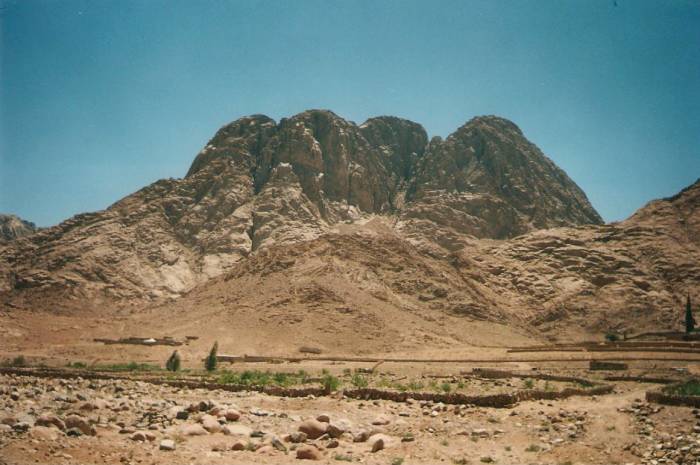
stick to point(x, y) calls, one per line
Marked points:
point(100, 98)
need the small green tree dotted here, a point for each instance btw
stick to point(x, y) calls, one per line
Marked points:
point(689, 320)
point(173, 363)
point(210, 361)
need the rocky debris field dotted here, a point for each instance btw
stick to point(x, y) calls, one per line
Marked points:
point(64, 421)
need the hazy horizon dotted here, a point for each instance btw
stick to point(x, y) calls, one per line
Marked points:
point(101, 99)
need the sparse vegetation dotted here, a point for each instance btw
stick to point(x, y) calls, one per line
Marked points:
point(688, 388)
point(173, 362)
point(342, 458)
point(210, 362)
point(397, 461)
point(330, 383)
point(415, 386)
point(262, 378)
point(78, 365)
point(131, 366)
point(689, 320)
point(446, 387)
point(18, 361)
point(612, 337)
point(532, 448)
point(529, 383)
point(359, 381)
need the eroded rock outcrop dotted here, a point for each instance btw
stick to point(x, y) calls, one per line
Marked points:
point(258, 183)
point(12, 227)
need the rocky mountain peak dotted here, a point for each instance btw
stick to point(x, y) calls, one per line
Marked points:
point(260, 183)
point(13, 227)
point(498, 183)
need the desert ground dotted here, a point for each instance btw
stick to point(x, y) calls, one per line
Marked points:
point(75, 401)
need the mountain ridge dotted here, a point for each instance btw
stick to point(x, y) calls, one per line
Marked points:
point(258, 184)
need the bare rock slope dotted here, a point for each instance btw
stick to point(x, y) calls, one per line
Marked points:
point(258, 183)
point(330, 224)
point(12, 227)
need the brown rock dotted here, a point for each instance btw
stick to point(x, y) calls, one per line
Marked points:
point(308, 453)
point(81, 424)
point(51, 420)
point(313, 428)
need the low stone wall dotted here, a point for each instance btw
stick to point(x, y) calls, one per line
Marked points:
point(670, 399)
point(499, 374)
point(489, 400)
point(141, 341)
point(641, 379)
point(600, 365)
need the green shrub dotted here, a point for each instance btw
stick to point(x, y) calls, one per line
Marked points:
point(612, 337)
point(415, 386)
point(173, 363)
point(131, 366)
point(18, 361)
point(446, 387)
point(210, 362)
point(529, 383)
point(359, 381)
point(330, 383)
point(688, 388)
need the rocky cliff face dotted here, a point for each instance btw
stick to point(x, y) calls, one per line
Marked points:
point(258, 183)
point(366, 287)
point(488, 180)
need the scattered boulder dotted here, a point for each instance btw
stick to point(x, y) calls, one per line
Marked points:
point(379, 441)
point(296, 437)
point(167, 444)
point(314, 429)
point(138, 436)
point(211, 424)
point(266, 449)
point(73, 432)
point(309, 453)
point(51, 421)
point(80, 423)
point(236, 430)
point(238, 445)
point(193, 430)
point(339, 427)
point(230, 414)
point(377, 444)
point(277, 444)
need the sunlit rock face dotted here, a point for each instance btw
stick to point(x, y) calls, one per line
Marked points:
point(259, 183)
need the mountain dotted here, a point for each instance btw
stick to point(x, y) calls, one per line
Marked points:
point(12, 227)
point(258, 183)
point(322, 222)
